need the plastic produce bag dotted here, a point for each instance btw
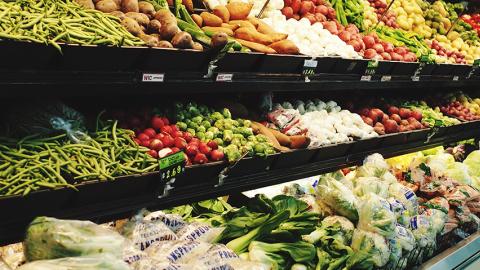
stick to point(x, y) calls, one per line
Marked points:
point(337, 196)
point(375, 215)
point(459, 172)
point(365, 185)
point(405, 196)
point(46, 118)
point(400, 211)
point(50, 238)
point(404, 238)
point(437, 219)
point(423, 230)
point(178, 252)
point(173, 221)
point(197, 231)
point(372, 243)
point(97, 262)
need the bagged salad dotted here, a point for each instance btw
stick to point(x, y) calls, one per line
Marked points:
point(375, 215)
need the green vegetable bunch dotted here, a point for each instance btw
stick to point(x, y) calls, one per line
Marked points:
point(350, 11)
point(398, 38)
point(433, 117)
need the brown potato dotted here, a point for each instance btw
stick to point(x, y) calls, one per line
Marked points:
point(164, 16)
point(154, 26)
point(249, 34)
point(256, 46)
point(86, 3)
point(169, 30)
point(227, 31)
point(222, 13)
point(188, 4)
point(141, 18)
point(129, 6)
point(197, 46)
point(219, 40)
point(107, 6)
point(150, 41)
point(232, 27)
point(132, 26)
point(118, 2)
point(182, 40)
point(210, 19)
point(118, 14)
point(239, 10)
point(146, 8)
point(164, 44)
point(197, 19)
point(285, 46)
point(241, 23)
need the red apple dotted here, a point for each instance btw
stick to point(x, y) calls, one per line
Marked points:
point(216, 155)
point(391, 126)
point(168, 141)
point(150, 132)
point(180, 143)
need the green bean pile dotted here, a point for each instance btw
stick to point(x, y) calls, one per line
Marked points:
point(32, 164)
point(54, 21)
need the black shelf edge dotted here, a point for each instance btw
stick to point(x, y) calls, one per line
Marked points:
point(12, 229)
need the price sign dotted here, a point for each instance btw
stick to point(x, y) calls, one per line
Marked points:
point(153, 77)
point(309, 67)
point(171, 166)
point(370, 71)
point(224, 77)
point(386, 78)
point(455, 78)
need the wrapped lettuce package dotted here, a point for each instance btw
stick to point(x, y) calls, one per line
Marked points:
point(375, 215)
point(365, 185)
point(177, 252)
point(406, 196)
point(437, 219)
point(172, 221)
point(96, 262)
point(405, 238)
point(400, 211)
point(197, 231)
point(50, 238)
point(373, 244)
point(376, 166)
point(337, 196)
point(459, 172)
point(423, 230)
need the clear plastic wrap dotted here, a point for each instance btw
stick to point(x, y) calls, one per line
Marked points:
point(375, 215)
point(197, 231)
point(400, 211)
point(98, 262)
point(372, 243)
point(405, 196)
point(173, 221)
point(423, 230)
point(337, 196)
point(365, 185)
point(178, 252)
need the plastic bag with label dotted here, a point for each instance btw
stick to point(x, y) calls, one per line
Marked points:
point(375, 215)
point(97, 262)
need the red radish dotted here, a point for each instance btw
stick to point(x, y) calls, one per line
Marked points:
point(213, 145)
point(191, 150)
point(393, 110)
point(345, 36)
point(150, 132)
point(378, 48)
point(319, 17)
point(176, 134)
point(165, 121)
point(180, 143)
point(400, 50)
point(404, 113)
point(156, 144)
point(166, 129)
point(200, 158)
point(164, 152)
point(153, 153)
point(175, 150)
point(287, 2)
point(216, 155)
point(157, 123)
point(388, 47)
point(187, 136)
point(386, 56)
point(391, 126)
point(306, 7)
point(369, 41)
point(322, 9)
point(145, 143)
point(168, 141)
point(159, 136)
point(137, 141)
point(143, 137)
point(288, 12)
point(204, 148)
point(296, 5)
point(396, 57)
point(370, 53)
point(396, 117)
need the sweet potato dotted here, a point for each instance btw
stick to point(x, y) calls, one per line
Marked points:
point(147, 9)
point(240, 23)
point(197, 19)
point(188, 4)
point(164, 44)
point(261, 129)
point(256, 46)
point(107, 6)
point(130, 6)
point(239, 10)
point(132, 26)
point(299, 141)
point(150, 41)
point(86, 3)
point(285, 47)
point(283, 139)
point(222, 12)
point(164, 16)
point(118, 14)
point(267, 30)
point(227, 31)
point(141, 18)
point(232, 27)
point(249, 34)
point(211, 20)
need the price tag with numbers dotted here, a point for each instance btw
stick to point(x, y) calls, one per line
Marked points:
point(171, 166)
point(153, 77)
point(309, 67)
point(224, 77)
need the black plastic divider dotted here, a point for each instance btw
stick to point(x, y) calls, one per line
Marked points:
point(251, 165)
point(457, 128)
point(332, 151)
point(443, 70)
point(384, 68)
point(427, 69)
point(325, 64)
point(294, 158)
point(281, 63)
point(418, 135)
point(174, 60)
point(461, 70)
point(404, 68)
point(350, 66)
point(200, 174)
point(394, 139)
point(439, 132)
point(239, 62)
point(25, 55)
point(363, 145)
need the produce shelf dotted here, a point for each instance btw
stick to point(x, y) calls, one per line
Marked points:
point(105, 201)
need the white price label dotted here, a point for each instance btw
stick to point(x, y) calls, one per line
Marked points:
point(455, 78)
point(153, 77)
point(415, 78)
point(366, 78)
point(224, 77)
point(386, 78)
point(310, 63)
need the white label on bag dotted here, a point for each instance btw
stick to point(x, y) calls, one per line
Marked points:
point(153, 77)
point(224, 77)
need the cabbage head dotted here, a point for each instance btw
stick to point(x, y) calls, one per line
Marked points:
point(338, 197)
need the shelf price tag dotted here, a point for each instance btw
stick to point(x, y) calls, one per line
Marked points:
point(171, 166)
point(455, 78)
point(386, 78)
point(309, 66)
point(370, 70)
point(224, 77)
point(423, 61)
point(153, 77)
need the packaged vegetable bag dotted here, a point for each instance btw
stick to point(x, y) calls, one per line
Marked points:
point(372, 243)
point(93, 262)
point(50, 238)
point(375, 215)
point(337, 196)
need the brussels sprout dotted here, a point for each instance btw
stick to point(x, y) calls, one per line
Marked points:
point(252, 138)
point(227, 135)
point(247, 123)
point(215, 130)
point(261, 138)
point(209, 135)
point(232, 152)
point(201, 129)
point(226, 113)
point(180, 116)
point(206, 124)
point(216, 116)
point(218, 141)
point(197, 119)
point(193, 125)
point(193, 111)
point(182, 126)
point(191, 131)
point(200, 135)
point(178, 106)
point(260, 148)
point(227, 126)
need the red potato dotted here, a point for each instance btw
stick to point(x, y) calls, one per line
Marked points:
point(310, 17)
point(367, 120)
point(322, 9)
point(180, 143)
point(376, 114)
point(345, 36)
point(393, 110)
point(168, 141)
point(187, 136)
point(145, 143)
point(352, 29)
point(306, 7)
point(400, 50)
point(378, 48)
point(396, 57)
point(369, 41)
point(166, 129)
point(287, 12)
point(296, 5)
point(385, 118)
point(391, 126)
point(200, 158)
point(357, 46)
point(216, 155)
point(379, 128)
point(332, 14)
point(331, 27)
point(386, 56)
point(320, 17)
point(143, 137)
point(150, 132)
point(417, 115)
point(370, 53)
point(153, 153)
point(405, 113)
point(396, 117)
point(191, 150)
